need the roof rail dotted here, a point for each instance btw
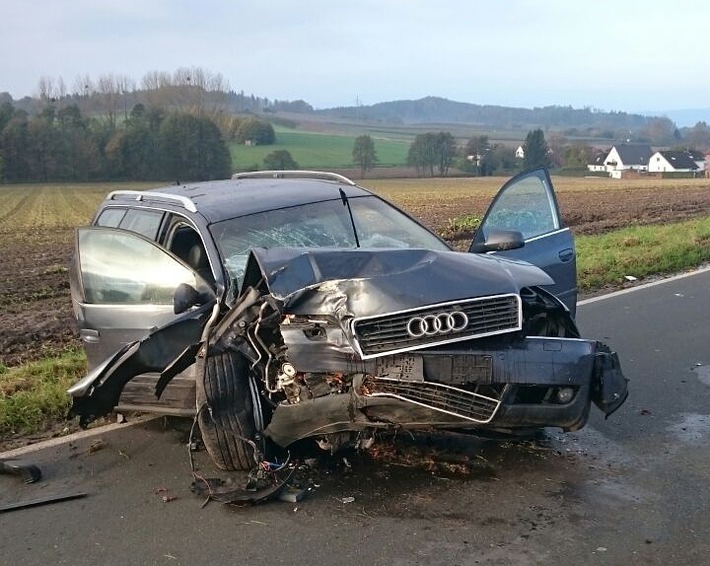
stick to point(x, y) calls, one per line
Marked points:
point(294, 174)
point(187, 202)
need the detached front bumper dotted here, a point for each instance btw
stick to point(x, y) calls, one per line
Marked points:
point(525, 384)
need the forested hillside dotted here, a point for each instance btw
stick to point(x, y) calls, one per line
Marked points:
point(440, 110)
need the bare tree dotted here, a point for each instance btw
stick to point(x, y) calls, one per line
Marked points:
point(364, 154)
point(156, 86)
point(82, 88)
point(45, 89)
point(200, 91)
point(108, 95)
point(61, 90)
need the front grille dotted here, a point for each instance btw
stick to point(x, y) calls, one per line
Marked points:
point(443, 398)
point(388, 334)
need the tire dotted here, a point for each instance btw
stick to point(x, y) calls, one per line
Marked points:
point(229, 426)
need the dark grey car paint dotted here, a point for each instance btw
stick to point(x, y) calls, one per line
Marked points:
point(387, 280)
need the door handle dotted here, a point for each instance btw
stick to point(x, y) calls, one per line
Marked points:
point(566, 255)
point(89, 335)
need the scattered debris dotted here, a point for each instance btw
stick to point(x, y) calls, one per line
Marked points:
point(293, 494)
point(97, 445)
point(630, 278)
point(38, 502)
point(347, 500)
point(29, 472)
point(214, 489)
point(645, 412)
point(165, 494)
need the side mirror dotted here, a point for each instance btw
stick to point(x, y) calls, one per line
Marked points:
point(187, 296)
point(497, 241)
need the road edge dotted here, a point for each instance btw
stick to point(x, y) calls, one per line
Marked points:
point(75, 436)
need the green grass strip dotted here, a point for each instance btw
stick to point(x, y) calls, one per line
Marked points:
point(34, 394)
point(641, 251)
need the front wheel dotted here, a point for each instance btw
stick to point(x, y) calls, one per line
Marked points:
point(226, 412)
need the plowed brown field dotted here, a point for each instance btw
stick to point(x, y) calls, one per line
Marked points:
point(37, 224)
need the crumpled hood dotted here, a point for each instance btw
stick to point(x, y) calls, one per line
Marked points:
point(383, 280)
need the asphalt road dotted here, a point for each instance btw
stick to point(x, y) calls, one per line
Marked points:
point(628, 490)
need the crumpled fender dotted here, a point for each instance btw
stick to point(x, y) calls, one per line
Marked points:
point(98, 393)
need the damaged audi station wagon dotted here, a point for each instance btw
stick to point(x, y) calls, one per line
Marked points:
point(278, 306)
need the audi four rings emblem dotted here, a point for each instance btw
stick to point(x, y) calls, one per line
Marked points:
point(437, 324)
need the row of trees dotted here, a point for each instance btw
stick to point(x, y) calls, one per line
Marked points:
point(63, 145)
point(197, 90)
point(432, 151)
point(435, 153)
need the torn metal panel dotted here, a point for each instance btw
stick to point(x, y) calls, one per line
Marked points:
point(98, 393)
point(610, 386)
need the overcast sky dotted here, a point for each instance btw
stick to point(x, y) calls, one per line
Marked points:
point(611, 55)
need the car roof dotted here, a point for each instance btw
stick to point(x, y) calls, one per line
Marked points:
point(248, 194)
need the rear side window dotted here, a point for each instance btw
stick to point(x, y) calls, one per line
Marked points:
point(111, 217)
point(139, 220)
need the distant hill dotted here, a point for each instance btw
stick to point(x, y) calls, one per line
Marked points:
point(441, 110)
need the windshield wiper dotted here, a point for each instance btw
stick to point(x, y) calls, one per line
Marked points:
point(346, 202)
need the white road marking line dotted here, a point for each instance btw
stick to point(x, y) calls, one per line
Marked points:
point(82, 434)
point(644, 286)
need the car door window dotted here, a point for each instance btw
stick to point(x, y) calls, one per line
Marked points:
point(526, 205)
point(118, 267)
